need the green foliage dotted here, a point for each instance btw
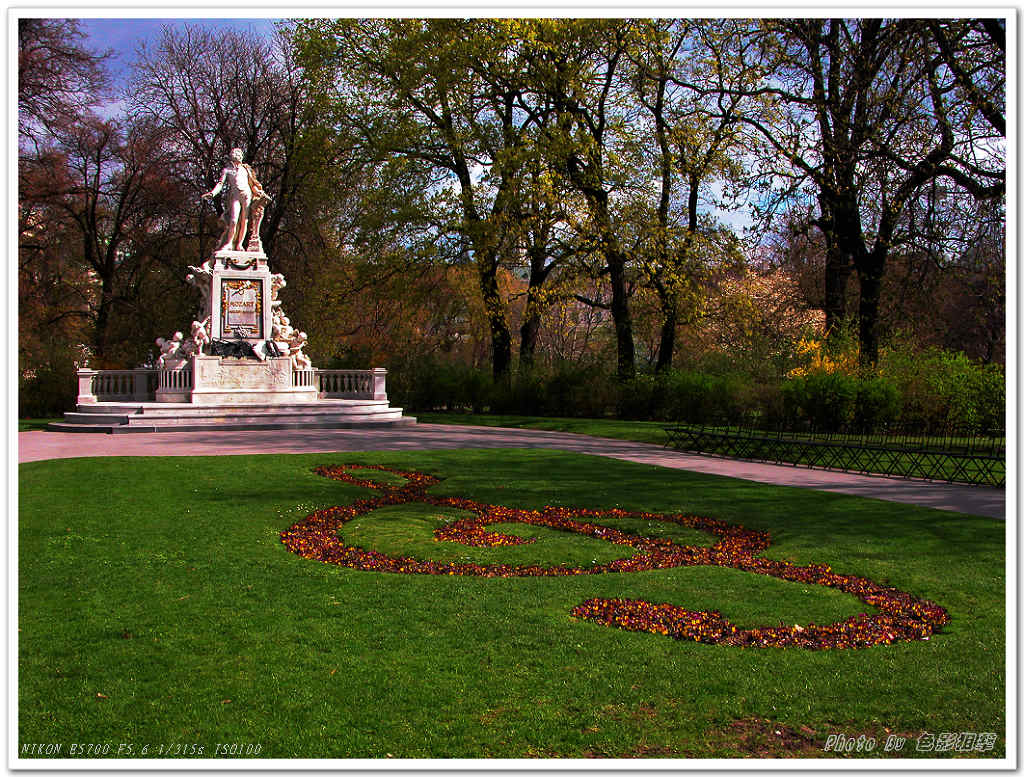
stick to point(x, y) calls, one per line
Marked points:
point(830, 401)
point(933, 389)
point(427, 383)
point(567, 389)
point(688, 395)
point(571, 390)
point(825, 400)
point(943, 387)
point(49, 392)
point(878, 402)
point(47, 380)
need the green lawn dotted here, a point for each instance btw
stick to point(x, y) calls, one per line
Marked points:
point(654, 432)
point(35, 424)
point(157, 604)
point(637, 431)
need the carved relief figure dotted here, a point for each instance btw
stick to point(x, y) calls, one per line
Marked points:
point(259, 202)
point(282, 327)
point(202, 278)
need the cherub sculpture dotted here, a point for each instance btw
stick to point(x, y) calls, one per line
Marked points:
point(200, 336)
point(169, 349)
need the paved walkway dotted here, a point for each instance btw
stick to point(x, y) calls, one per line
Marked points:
point(36, 446)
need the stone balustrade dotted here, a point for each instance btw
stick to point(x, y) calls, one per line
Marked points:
point(303, 378)
point(116, 385)
point(353, 384)
point(140, 385)
point(177, 377)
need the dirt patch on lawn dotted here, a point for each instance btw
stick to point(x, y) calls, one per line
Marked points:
point(763, 738)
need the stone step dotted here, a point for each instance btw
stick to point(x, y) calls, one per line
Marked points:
point(387, 414)
point(232, 425)
point(126, 417)
point(154, 409)
point(95, 418)
point(259, 412)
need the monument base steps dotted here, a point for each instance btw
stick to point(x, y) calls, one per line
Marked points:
point(129, 417)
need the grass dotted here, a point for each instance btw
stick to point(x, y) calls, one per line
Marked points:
point(637, 431)
point(157, 605)
point(895, 462)
point(35, 424)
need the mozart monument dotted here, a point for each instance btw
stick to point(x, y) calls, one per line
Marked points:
point(242, 364)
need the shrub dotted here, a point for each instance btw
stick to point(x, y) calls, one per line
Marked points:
point(942, 388)
point(824, 400)
point(428, 384)
point(878, 402)
point(698, 397)
point(48, 393)
point(690, 396)
point(833, 401)
point(522, 395)
point(637, 398)
point(586, 391)
point(931, 389)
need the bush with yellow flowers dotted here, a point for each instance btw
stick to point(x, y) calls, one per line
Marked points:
point(831, 390)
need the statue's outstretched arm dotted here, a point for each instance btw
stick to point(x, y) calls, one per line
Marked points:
point(216, 189)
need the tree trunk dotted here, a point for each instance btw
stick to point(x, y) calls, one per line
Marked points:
point(869, 272)
point(528, 333)
point(101, 332)
point(626, 368)
point(838, 269)
point(667, 344)
point(501, 336)
point(615, 260)
point(485, 254)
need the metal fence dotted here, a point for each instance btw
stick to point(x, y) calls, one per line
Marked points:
point(954, 454)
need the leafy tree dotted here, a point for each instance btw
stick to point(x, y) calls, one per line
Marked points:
point(552, 246)
point(444, 96)
point(575, 65)
point(974, 51)
point(692, 141)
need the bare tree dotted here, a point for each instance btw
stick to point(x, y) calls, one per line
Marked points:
point(109, 185)
point(865, 113)
point(59, 79)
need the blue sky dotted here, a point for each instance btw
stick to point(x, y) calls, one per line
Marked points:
point(125, 35)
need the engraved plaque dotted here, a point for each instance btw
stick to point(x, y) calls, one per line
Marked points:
point(241, 308)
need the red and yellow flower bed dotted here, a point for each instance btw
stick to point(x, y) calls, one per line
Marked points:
point(901, 617)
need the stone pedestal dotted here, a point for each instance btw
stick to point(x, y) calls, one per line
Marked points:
point(85, 390)
point(240, 297)
point(227, 381)
point(243, 350)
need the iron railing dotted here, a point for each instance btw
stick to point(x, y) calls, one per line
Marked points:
point(954, 454)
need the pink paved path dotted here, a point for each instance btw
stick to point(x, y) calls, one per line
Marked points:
point(36, 446)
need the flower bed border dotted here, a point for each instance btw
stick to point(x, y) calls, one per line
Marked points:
point(901, 617)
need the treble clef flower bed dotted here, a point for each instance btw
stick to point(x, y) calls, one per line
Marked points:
point(901, 617)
